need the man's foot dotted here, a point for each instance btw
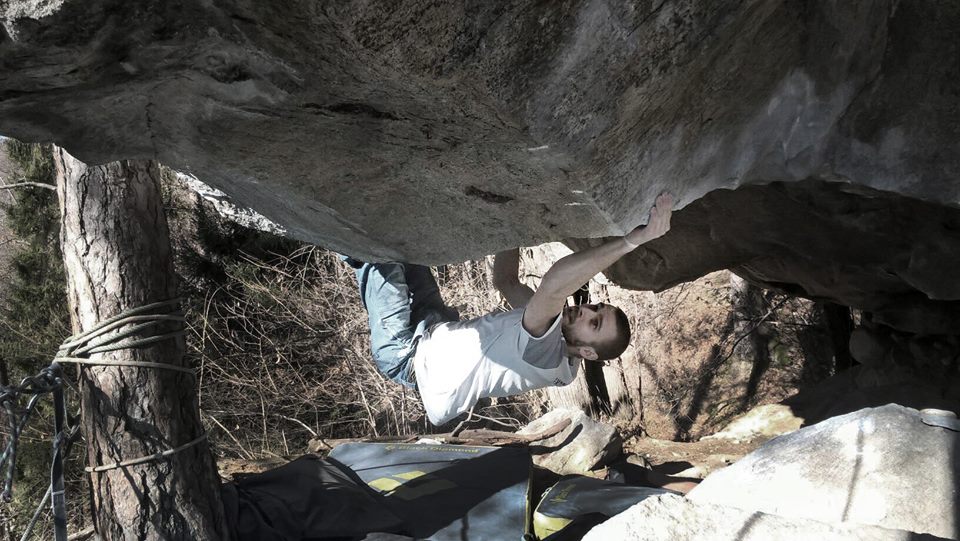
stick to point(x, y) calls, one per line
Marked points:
point(350, 261)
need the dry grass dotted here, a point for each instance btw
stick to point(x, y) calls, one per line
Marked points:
point(283, 357)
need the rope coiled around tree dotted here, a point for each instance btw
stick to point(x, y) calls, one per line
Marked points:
point(123, 331)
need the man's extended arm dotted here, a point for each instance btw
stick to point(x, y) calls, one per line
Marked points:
point(574, 270)
point(506, 267)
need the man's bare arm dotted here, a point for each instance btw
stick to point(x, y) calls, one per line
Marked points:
point(574, 270)
point(506, 269)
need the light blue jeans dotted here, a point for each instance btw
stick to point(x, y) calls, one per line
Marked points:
point(402, 300)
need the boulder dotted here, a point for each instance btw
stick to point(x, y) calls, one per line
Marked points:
point(764, 421)
point(811, 146)
point(885, 466)
point(583, 446)
point(673, 518)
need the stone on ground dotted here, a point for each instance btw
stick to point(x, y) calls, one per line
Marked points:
point(764, 421)
point(583, 446)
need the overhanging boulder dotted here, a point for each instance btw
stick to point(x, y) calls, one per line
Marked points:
point(814, 146)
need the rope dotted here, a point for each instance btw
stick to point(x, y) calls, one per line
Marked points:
point(106, 325)
point(104, 343)
point(139, 364)
point(75, 350)
point(151, 320)
point(143, 459)
point(96, 340)
point(46, 381)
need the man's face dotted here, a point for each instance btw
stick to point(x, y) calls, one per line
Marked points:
point(589, 324)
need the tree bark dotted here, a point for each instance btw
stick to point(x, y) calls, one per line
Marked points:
point(117, 256)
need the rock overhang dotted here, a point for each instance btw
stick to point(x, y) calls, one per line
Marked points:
point(439, 132)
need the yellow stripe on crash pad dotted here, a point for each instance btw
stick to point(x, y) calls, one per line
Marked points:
point(385, 484)
point(410, 475)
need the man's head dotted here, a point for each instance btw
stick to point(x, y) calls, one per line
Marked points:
point(595, 332)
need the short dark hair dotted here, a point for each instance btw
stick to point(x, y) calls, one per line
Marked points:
point(614, 348)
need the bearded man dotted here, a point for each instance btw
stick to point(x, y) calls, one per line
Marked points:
point(419, 342)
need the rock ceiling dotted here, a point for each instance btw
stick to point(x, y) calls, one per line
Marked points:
point(812, 146)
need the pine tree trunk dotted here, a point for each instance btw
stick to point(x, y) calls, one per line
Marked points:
point(117, 256)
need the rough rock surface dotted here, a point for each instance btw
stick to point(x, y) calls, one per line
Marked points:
point(881, 466)
point(672, 518)
point(764, 421)
point(814, 145)
point(583, 446)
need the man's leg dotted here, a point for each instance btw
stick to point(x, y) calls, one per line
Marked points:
point(426, 303)
point(384, 291)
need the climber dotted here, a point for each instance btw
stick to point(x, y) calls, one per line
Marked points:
point(419, 342)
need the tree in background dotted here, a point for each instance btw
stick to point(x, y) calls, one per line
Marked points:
point(32, 316)
point(34, 321)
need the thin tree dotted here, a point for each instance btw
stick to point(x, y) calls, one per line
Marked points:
point(117, 256)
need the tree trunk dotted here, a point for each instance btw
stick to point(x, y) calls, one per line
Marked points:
point(116, 254)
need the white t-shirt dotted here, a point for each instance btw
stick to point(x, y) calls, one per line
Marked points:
point(460, 362)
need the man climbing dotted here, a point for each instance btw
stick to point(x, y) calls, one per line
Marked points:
point(417, 341)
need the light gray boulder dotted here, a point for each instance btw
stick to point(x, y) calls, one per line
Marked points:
point(881, 466)
point(764, 421)
point(583, 446)
point(673, 518)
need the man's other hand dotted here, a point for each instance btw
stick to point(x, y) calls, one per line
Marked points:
point(657, 226)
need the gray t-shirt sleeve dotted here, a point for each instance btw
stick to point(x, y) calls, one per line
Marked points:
point(546, 351)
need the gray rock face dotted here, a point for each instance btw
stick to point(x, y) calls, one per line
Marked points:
point(814, 145)
point(583, 446)
point(882, 466)
point(766, 421)
point(672, 518)
point(860, 247)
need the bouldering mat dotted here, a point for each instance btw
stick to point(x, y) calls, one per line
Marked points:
point(447, 492)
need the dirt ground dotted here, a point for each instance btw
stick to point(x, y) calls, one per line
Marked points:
point(689, 459)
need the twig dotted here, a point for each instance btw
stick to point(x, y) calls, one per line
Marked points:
point(496, 437)
point(234, 438)
point(366, 405)
point(759, 322)
point(514, 425)
point(299, 422)
point(462, 424)
point(82, 534)
point(467, 437)
point(33, 184)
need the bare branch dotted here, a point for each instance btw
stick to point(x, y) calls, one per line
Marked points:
point(86, 533)
point(34, 184)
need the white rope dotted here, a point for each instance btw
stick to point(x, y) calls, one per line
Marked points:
point(141, 364)
point(143, 459)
